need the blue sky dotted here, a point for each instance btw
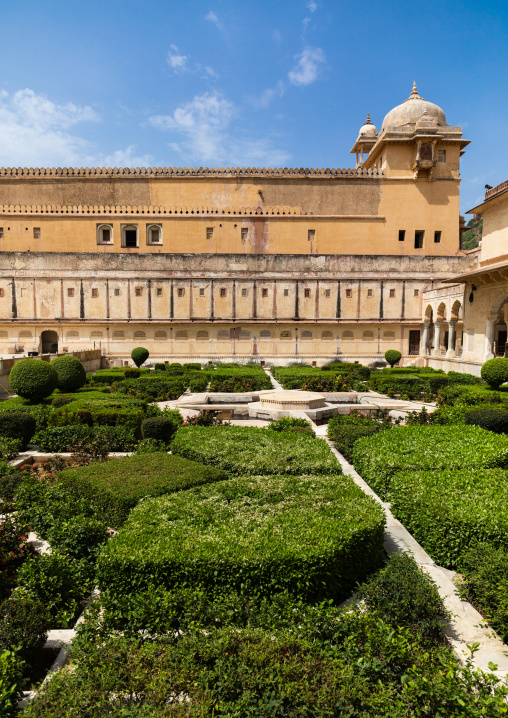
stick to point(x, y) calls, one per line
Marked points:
point(243, 83)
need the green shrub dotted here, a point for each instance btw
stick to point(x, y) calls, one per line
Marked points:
point(288, 423)
point(484, 571)
point(139, 355)
point(98, 414)
point(55, 581)
point(79, 536)
point(33, 379)
point(436, 382)
point(491, 418)
point(192, 366)
point(238, 383)
point(160, 366)
point(344, 430)
point(409, 384)
point(198, 384)
point(495, 372)
point(418, 448)
point(313, 536)
point(65, 438)
point(17, 425)
point(392, 356)
point(154, 388)
point(450, 510)
point(11, 683)
point(160, 428)
point(62, 400)
point(245, 450)
point(70, 372)
point(132, 373)
point(24, 622)
point(107, 376)
point(115, 487)
point(403, 595)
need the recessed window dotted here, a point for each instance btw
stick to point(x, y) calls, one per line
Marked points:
point(95, 292)
point(209, 232)
point(264, 292)
point(129, 235)
point(139, 335)
point(441, 156)
point(159, 291)
point(306, 335)
point(154, 234)
point(96, 334)
point(70, 292)
point(223, 334)
point(223, 292)
point(419, 238)
point(1, 232)
point(369, 292)
point(244, 292)
point(245, 233)
point(416, 293)
point(327, 293)
point(201, 292)
point(285, 335)
point(307, 292)
point(181, 335)
point(392, 293)
point(286, 294)
point(349, 293)
point(37, 232)
point(2, 292)
point(244, 334)
point(368, 335)
point(118, 335)
point(161, 334)
point(265, 334)
point(326, 335)
point(181, 292)
point(311, 234)
point(104, 234)
point(437, 237)
point(202, 335)
point(138, 291)
point(117, 292)
point(402, 235)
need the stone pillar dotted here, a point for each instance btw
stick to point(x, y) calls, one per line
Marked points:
point(489, 337)
point(425, 339)
point(451, 336)
point(437, 338)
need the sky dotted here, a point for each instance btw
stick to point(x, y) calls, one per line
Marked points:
point(171, 83)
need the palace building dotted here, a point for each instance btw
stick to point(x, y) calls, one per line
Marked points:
point(233, 263)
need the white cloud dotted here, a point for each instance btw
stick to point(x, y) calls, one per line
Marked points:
point(203, 126)
point(311, 5)
point(175, 60)
point(307, 66)
point(125, 158)
point(213, 17)
point(267, 96)
point(33, 130)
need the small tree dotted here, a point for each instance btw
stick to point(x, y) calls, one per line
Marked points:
point(139, 355)
point(33, 379)
point(70, 371)
point(392, 356)
point(495, 372)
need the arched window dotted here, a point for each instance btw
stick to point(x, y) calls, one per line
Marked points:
point(72, 335)
point(25, 334)
point(104, 234)
point(181, 335)
point(118, 335)
point(388, 335)
point(285, 334)
point(202, 335)
point(139, 335)
point(306, 335)
point(222, 334)
point(326, 335)
point(244, 334)
point(161, 335)
point(3, 334)
point(265, 334)
point(347, 335)
point(154, 234)
point(130, 235)
point(97, 335)
point(368, 335)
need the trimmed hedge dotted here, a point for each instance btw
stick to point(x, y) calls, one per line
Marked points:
point(98, 414)
point(64, 438)
point(495, 372)
point(160, 428)
point(70, 372)
point(17, 425)
point(344, 430)
point(33, 379)
point(312, 536)
point(152, 388)
point(449, 510)
point(490, 418)
point(242, 450)
point(418, 448)
point(113, 488)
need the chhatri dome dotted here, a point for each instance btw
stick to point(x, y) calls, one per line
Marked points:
point(368, 128)
point(411, 110)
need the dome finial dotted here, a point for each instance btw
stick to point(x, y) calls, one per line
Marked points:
point(367, 121)
point(414, 94)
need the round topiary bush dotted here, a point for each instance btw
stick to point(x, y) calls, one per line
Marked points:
point(33, 379)
point(71, 373)
point(139, 355)
point(24, 622)
point(488, 417)
point(392, 356)
point(132, 373)
point(18, 425)
point(495, 372)
point(160, 366)
point(160, 428)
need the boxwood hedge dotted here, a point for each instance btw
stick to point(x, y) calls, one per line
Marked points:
point(246, 450)
point(116, 486)
point(448, 511)
point(312, 536)
point(415, 448)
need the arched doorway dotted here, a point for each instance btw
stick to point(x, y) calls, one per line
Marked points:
point(49, 342)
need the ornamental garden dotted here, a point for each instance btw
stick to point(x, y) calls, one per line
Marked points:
point(209, 569)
